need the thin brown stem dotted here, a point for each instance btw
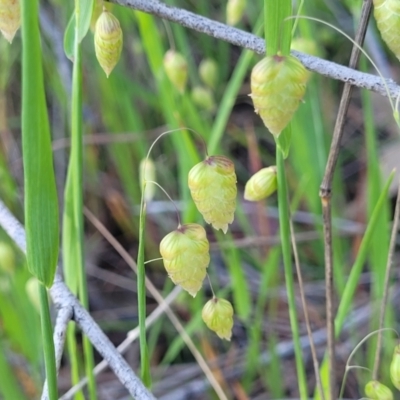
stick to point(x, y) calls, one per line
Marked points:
point(326, 193)
point(305, 310)
point(389, 263)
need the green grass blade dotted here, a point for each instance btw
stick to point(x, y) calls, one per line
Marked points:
point(41, 206)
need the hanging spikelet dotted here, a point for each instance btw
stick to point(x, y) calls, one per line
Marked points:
point(387, 15)
point(10, 18)
point(395, 367)
point(108, 41)
point(212, 184)
point(234, 11)
point(375, 390)
point(208, 71)
point(261, 185)
point(217, 314)
point(185, 253)
point(176, 69)
point(278, 85)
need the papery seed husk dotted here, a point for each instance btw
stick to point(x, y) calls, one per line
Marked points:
point(176, 69)
point(387, 16)
point(7, 258)
point(217, 314)
point(185, 253)
point(10, 18)
point(108, 41)
point(395, 367)
point(261, 185)
point(147, 172)
point(278, 84)
point(203, 97)
point(234, 11)
point(378, 391)
point(212, 184)
point(208, 71)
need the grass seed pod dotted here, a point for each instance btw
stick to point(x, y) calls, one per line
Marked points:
point(176, 69)
point(10, 18)
point(212, 184)
point(7, 258)
point(387, 16)
point(395, 368)
point(147, 172)
point(234, 11)
point(208, 71)
point(278, 84)
point(185, 253)
point(108, 41)
point(261, 185)
point(32, 290)
point(375, 390)
point(203, 97)
point(217, 314)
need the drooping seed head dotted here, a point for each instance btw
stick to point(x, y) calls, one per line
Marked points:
point(387, 16)
point(208, 71)
point(10, 18)
point(147, 172)
point(217, 314)
point(234, 11)
point(375, 390)
point(185, 253)
point(108, 41)
point(212, 184)
point(176, 69)
point(395, 367)
point(278, 84)
point(203, 97)
point(261, 185)
point(32, 290)
point(7, 258)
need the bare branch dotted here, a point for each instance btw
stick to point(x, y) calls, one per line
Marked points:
point(63, 298)
point(249, 41)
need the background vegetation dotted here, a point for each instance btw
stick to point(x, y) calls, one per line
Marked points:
point(122, 116)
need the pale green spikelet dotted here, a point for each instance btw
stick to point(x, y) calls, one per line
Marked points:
point(208, 71)
point(203, 97)
point(10, 18)
point(261, 185)
point(212, 184)
point(375, 390)
point(108, 41)
point(185, 253)
point(278, 84)
point(387, 16)
point(395, 367)
point(217, 314)
point(147, 172)
point(176, 69)
point(234, 11)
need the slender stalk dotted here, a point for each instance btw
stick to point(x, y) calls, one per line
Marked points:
point(325, 194)
point(386, 285)
point(48, 344)
point(141, 293)
point(284, 226)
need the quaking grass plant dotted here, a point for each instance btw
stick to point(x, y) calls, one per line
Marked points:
point(201, 100)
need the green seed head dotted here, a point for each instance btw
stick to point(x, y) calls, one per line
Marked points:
point(108, 41)
point(261, 185)
point(208, 71)
point(375, 390)
point(395, 367)
point(387, 16)
point(32, 290)
point(278, 85)
point(147, 171)
point(203, 97)
point(234, 11)
point(212, 184)
point(185, 253)
point(217, 314)
point(176, 69)
point(7, 258)
point(10, 18)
